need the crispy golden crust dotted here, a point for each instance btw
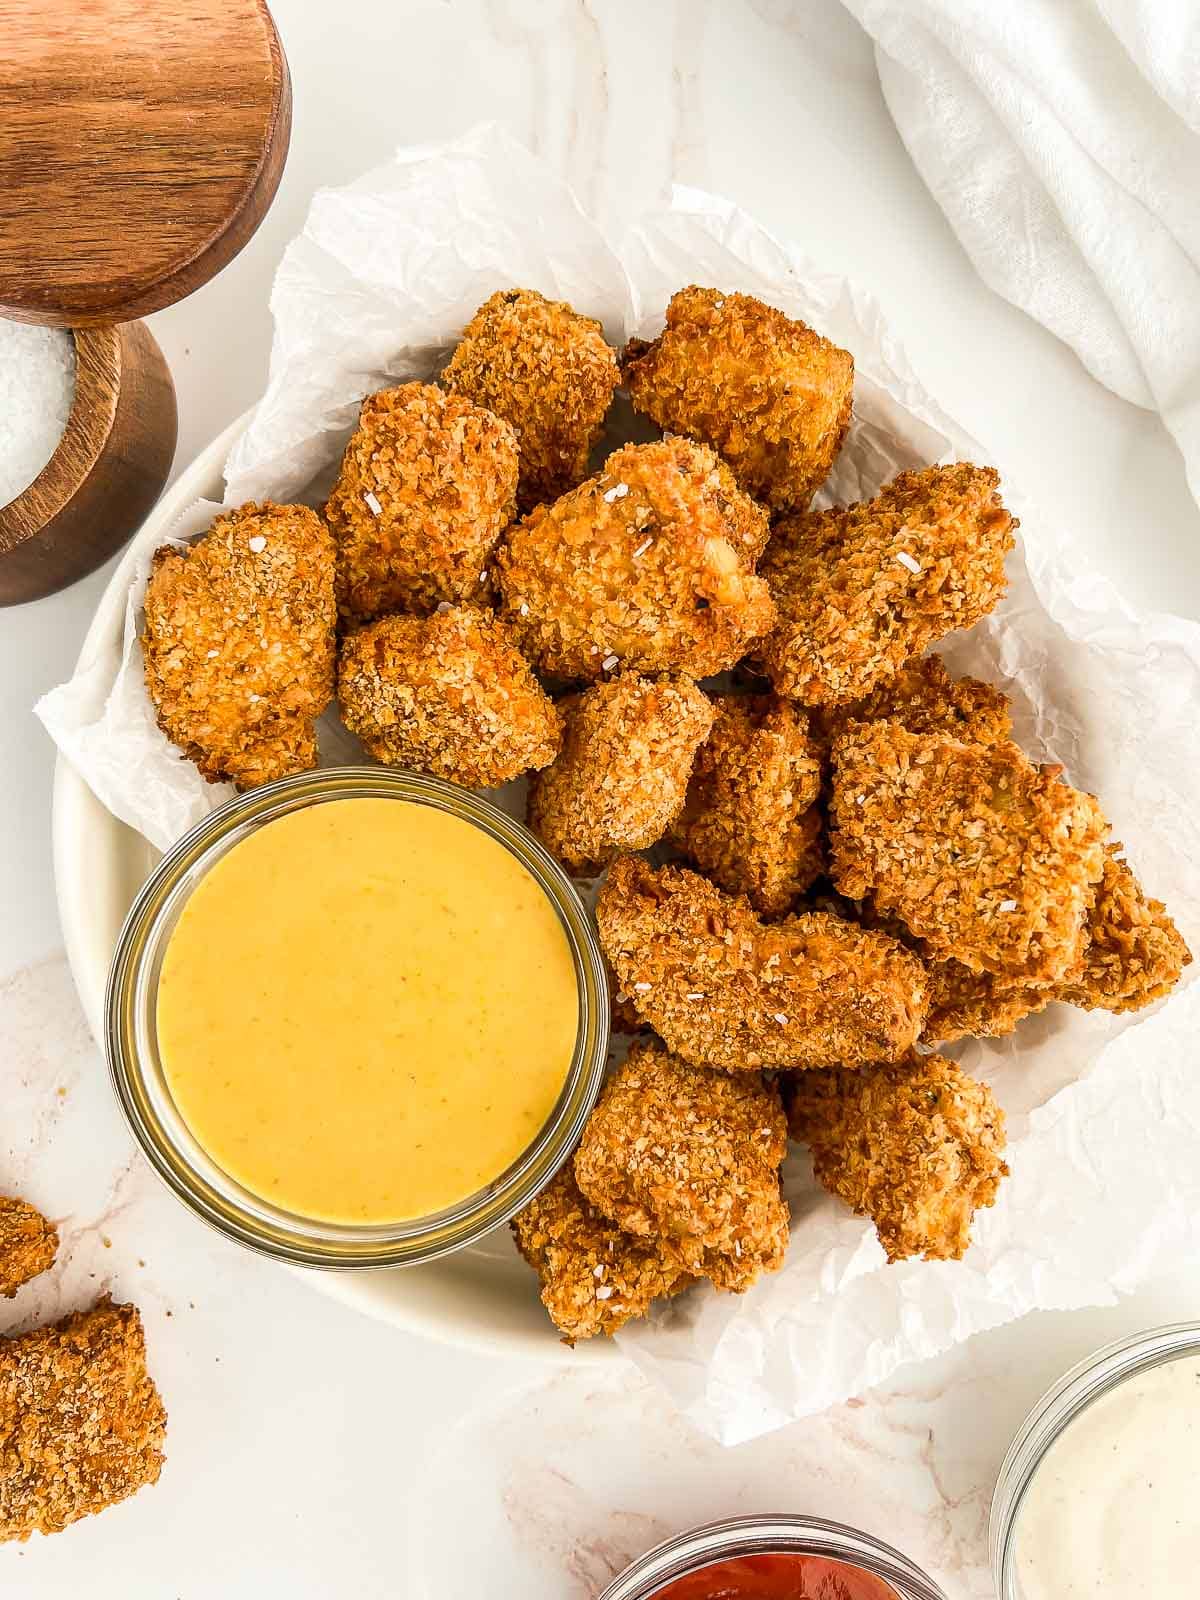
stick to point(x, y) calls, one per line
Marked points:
point(915, 1146)
point(750, 820)
point(594, 1276)
point(768, 393)
point(649, 563)
point(622, 773)
point(1133, 953)
point(726, 990)
point(239, 643)
point(81, 1423)
point(443, 474)
point(448, 694)
point(852, 611)
point(926, 699)
point(546, 370)
point(690, 1157)
point(28, 1244)
point(986, 857)
point(978, 1005)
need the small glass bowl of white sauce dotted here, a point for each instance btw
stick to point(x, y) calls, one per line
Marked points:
point(1097, 1496)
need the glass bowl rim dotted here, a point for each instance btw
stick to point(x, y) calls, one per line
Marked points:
point(306, 1242)
point(1066, 1399)
point(769, 1533)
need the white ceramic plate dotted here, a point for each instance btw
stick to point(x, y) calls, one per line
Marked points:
point(484, 1297)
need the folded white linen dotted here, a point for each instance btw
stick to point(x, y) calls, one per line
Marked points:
point(1062, 140)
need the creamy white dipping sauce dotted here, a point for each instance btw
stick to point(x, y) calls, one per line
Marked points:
point(1113, 1508)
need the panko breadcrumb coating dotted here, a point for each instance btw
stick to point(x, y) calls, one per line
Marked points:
point(594, 1276)
point(1133, 954)
point(978, 1005)
point(427, 485)
point(724, 989)
point(622, 773)
point(649, 564)
point(862, 589)
point(546, 370)
point(986, 857)
point(690, 1157)
point(916, 1146)
point(926, 699)
point(81, 1423)
point(448, 694)
point(768, 393)
point(28, 1244)
point(750, 821)
point(238, 645)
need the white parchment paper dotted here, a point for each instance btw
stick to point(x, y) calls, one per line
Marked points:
point(1104, 1113)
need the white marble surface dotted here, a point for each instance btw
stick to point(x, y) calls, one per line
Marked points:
point(313, 1453)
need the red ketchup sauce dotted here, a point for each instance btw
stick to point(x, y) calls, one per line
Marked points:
point(781, 1577)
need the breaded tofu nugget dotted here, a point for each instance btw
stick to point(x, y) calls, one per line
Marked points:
point(926, 699)
point(622, 773)
point(768, 393)
point(427, 485)
point(724, 989)
point(239, 645)
point(649, 564)
point(978, 1005)
point(546, 370)
point(916, 1146)
point(987, 858)
point(1133, 953)
point(690, 1157)
point(450, 695)
point(594, 1276)
point(81, 1423)
point(750, 821)
point(862, 589)
point(28, 1244)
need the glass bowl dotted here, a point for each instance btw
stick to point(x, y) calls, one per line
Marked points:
point(769, 1535)
point(1088, 1381)
point(137, 1072)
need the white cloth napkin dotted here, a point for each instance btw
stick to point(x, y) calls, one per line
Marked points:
point(1062, 140)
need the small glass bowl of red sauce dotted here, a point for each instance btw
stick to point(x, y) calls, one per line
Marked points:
point(777, 1557)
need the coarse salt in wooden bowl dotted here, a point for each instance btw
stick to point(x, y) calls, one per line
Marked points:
point(106, 472)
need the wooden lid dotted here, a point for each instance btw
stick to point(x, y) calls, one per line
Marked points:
point(143, 143)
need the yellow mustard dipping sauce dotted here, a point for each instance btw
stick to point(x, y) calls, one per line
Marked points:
point(367, 1011)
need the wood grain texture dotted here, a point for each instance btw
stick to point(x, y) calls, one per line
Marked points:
point(108, 469)
point(141, 143)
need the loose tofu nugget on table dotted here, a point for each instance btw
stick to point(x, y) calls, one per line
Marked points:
point(546, 370)
point(621, 776)
point(690, 1157)
point(594, 1276)
point(750, 820)
point(450, 695)
point(766, 391)
point(725, 989)
point(427, 485)
point(239, 644)
point(926, 699)
point(28, 1244)
point(916, 1146)
point(81, 1422)
point(649, 564)
point(862, 589)
point(990, 860)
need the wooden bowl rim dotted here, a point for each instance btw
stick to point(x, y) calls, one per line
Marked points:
point(57, 484)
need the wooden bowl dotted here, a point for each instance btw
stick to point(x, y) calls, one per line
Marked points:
point(107, 472)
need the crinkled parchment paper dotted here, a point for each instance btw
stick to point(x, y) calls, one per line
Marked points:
point(1104, 1113)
